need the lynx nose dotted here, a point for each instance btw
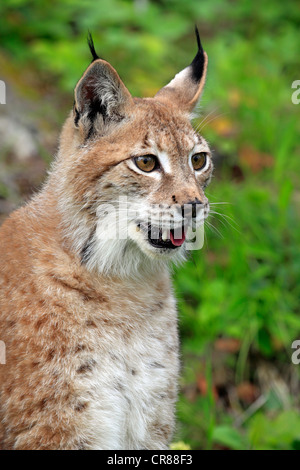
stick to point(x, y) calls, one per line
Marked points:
point(190, 209)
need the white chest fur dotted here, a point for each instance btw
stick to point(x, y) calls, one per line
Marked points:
point(129, 384)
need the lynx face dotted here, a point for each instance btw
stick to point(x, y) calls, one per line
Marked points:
point(163, 176)
point(135, 189)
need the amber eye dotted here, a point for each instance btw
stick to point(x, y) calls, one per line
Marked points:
point(199, 160)
point(146, 163)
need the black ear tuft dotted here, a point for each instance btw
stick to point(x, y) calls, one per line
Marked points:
point(199, 60)
point(198, 38)
point(92, 47)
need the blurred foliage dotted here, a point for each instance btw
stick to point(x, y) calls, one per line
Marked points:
point(243, 288)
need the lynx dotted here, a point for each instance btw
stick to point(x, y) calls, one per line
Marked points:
point(89, 319)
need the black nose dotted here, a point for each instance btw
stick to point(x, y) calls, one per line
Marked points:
point(189, 209)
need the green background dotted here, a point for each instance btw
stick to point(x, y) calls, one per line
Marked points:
point(239, 296)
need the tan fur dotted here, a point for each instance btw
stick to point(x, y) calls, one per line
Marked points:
point(91, 348)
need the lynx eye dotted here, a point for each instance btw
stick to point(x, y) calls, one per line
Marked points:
point(199, 160)
point(146, 163)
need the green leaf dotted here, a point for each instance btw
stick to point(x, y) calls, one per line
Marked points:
point(228, 437)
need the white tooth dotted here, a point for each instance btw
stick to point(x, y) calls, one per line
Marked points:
point(164, 235)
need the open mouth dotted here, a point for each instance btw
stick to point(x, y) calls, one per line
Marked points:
point(168, 239)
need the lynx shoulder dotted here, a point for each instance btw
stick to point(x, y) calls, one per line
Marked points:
point(87, 313)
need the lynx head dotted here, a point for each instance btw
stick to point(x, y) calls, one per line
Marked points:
point(132, 171)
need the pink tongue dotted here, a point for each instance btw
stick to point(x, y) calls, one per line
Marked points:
point(178, 241)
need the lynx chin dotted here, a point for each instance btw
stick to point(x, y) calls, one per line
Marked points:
point(88, 319)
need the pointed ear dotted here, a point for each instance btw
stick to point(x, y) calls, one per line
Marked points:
point(186, 87)
point(100, 98)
